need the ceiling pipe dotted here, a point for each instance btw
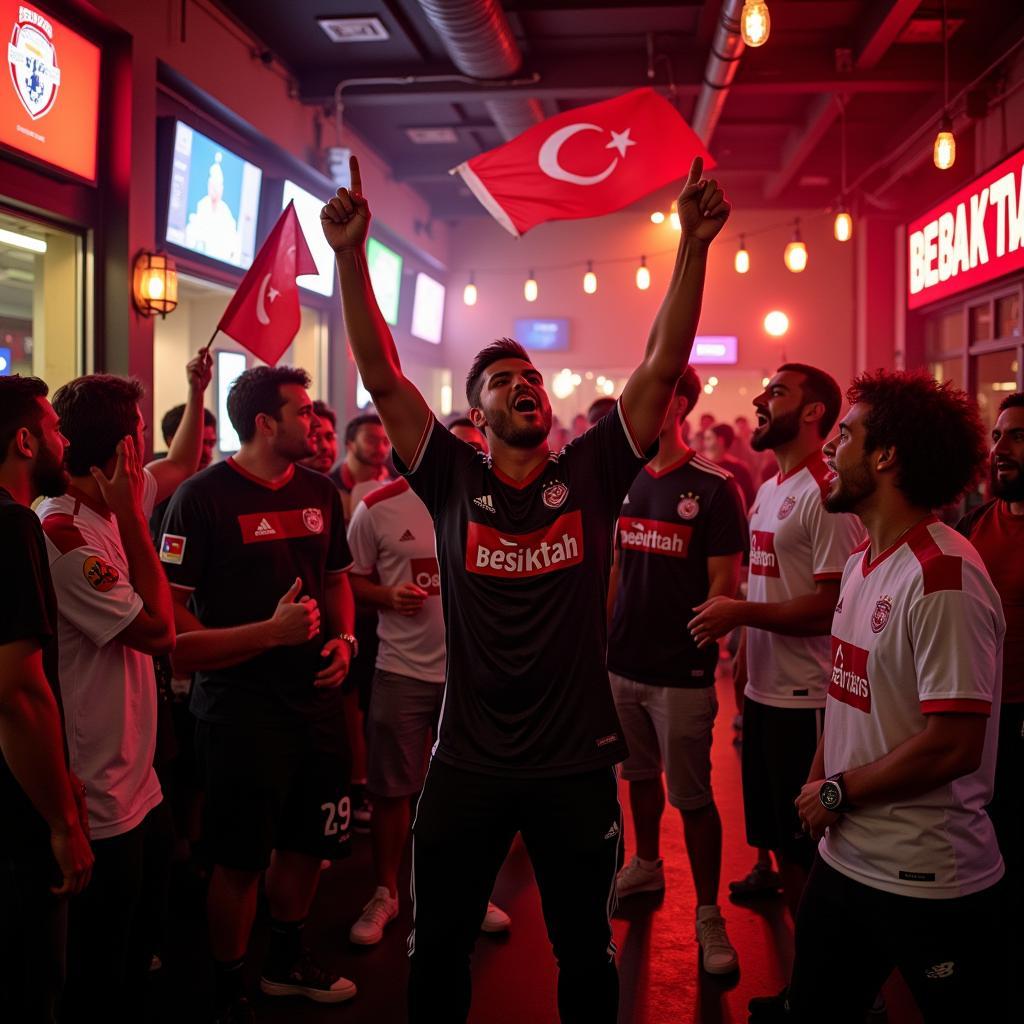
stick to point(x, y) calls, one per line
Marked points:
point(723, 62)
point(479, 40)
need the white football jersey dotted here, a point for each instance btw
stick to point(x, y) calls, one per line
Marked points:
point(917, 631)
point(794, 543)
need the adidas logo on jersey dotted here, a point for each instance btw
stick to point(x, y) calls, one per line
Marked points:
point(486, 502)
point(407, 536)
point(265, 529)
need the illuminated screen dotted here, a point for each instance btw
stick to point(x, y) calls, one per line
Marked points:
point(543, 335)
point(307, 208)
point(214, 199)
point(712, 349)
point(386, 276)
point(50, 94)
point(428, 309)
point(229, 366)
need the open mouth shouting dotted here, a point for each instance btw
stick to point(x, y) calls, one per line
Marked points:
point(525, 403)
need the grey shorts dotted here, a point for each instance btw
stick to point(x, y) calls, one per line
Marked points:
point(668, 727)
point(400, 726)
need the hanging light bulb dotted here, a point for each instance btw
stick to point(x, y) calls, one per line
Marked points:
point(742, 261)
point(657, 217)
point(755, 22)
point(530, 288)
point(776, 323)
point(469, 292)
point(944, 151)
point(795, 255)
point(643, 275)
point(590, 279)
point(842, 227)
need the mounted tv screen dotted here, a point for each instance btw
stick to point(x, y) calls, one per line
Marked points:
point(551, 335)
point(715, 350)
point(307, 209)
point(428, 309)
point(214, 199)
point(386, 276)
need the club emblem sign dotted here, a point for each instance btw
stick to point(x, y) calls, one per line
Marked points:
point(555, 494)
point(313, 520)
point(786, 507)
point(33, 62)
point(688, 507)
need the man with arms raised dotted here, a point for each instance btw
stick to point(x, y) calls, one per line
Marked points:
point(906, 873)
point(528, 733)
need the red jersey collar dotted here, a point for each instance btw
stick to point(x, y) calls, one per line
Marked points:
point(520, 484)
point(815, 456)
point(678, 464)
point(869, 565)
point(268, 484)
point(90, 503)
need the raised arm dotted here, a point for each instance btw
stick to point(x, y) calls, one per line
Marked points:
point(702, 213)
point(402, 409)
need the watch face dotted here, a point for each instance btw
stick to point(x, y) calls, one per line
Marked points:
point(830, 796)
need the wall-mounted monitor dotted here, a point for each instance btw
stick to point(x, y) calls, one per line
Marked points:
point(50, 99)
point(386, 275)
point(428, 309)
point(214, 199)
point(715, 350)
point(549, 335)
point(307, 208)
point(230, 365)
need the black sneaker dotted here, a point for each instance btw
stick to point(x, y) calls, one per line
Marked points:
point(238, 1012)
point(769, 1009)
point(761, 881)
point(307, 978)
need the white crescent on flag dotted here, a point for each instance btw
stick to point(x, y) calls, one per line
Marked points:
point(261, 309)
point(547, 158)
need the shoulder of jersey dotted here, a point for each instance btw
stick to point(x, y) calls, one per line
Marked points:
point(707, 466)
point(819, 473)
point(941, 559)
point(62, 531)
point(391, 490)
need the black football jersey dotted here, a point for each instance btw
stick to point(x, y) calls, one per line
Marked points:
point(237, 544)
point(524, 579)
point(670, 524)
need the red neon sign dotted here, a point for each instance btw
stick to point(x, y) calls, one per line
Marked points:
point(50, 91)
point(972, 237)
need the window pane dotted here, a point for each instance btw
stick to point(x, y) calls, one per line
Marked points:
point(981, 322)
point(948, 369)
point(1008, 316)
point(996, 374)
point(945, 333)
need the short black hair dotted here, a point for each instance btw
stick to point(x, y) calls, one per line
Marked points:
point(19, 407)
point(819, 386)
point(503, 348)
point(323, 411)
point(366, 419)
point(172, 420)
point(725, 434)
point(1014, 401)
point(935, 429)
point(599, 408)
point(258, 390)
point(689, 387)
point(462, 421)
point(96, 412)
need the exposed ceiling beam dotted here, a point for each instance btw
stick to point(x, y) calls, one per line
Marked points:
point(884, 22)
point(802, 143)
point(792, 71)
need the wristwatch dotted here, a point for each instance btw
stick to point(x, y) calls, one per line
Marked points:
point(832, 795)
point(351, 641)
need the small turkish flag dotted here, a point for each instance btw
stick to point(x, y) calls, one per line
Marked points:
point(584, 163)
point(263, 314)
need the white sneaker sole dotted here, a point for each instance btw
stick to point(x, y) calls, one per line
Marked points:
point(655, 885)
point(317, 995)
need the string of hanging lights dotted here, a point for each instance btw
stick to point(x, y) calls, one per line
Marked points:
point(795, 256)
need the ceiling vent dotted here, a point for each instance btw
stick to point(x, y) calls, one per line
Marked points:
point(432, 136)
point(354, 30)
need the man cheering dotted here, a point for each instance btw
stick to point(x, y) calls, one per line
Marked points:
point(528, 733)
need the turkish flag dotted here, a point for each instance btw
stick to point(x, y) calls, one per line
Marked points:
point(263, 314)
point(584, 163)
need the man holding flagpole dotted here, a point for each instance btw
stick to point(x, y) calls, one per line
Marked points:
point(528, 734)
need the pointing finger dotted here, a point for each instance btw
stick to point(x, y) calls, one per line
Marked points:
point(696, 170)
point(357, 181)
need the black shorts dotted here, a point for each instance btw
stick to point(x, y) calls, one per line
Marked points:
point(269, 789)
point(778, 747)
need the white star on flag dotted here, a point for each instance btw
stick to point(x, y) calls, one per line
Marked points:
point(620, 141)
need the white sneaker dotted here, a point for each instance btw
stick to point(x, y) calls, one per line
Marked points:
point(634, 877)
point(382, 909)
point(495, 920)
point(718, 954)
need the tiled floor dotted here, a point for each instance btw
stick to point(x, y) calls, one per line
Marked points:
point(514, 975)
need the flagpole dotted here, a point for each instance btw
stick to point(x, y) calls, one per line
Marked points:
point(216, 331)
